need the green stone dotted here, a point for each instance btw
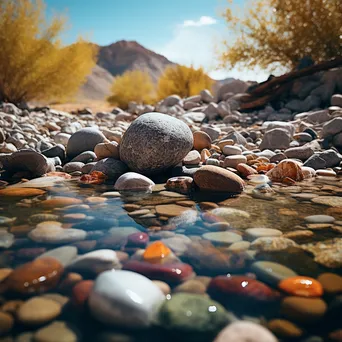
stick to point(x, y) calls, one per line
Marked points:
point(193, 313)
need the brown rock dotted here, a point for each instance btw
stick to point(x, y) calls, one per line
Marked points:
point(284, 328)
point(6, 323)
point(191, 286)
point(286, 169)
point(213, 178)
point(21, 192)
point(201, 140)
point(331, 282)
point(60, 201)
point(4, 273)
point(170, 210)
point(107, 150)
point(37, 276)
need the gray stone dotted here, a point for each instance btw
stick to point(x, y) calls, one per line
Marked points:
point(55, 151)
point(206, 96)
point(276, 138)
point(155, 142)
point(326, 159)
point(236, 137)
point(112, 168)
point(84, 140)
point(268, 125)
point(73, 167)
point(332, 127)
point(303, 152)
point(171, 100)
point(336, 100)
point(65, 255)
point(85, 157)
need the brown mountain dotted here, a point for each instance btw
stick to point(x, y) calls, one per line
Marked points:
point(114, 60)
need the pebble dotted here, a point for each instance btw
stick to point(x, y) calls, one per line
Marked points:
point(271, 273)
point(165, 288)
point(191, 286)
point(59, 202)
point(65, 255)
point(184, 312)
point(201, 140)
point(95, 262)
point(301, 286)
point(37, 276)
point(225, 238)
point(38, 311)
point(272, 244)
point(21, 192)
point(243, 331)
point(182, 185)
point(284, 329)
point(156, 252)
point(81, 292)
point(125, 298)
point(254, 233)
point(6, 323)
point(170, 210)
point(331, 282)
point(319, 219)
point(192, 158)
point(55, 332)
point(303, 310)
point(132, 181)
point(213, 178)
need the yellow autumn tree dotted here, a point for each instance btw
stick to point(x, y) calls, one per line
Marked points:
point(272, 33)
point(33, 62)
point(183, 81)
point(132, 85)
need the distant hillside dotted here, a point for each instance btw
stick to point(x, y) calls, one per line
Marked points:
point(117, 58)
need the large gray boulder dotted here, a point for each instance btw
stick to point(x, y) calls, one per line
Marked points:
point(84, 140)
point(155, 142)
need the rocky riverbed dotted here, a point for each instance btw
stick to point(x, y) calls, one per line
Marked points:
point(189, 220)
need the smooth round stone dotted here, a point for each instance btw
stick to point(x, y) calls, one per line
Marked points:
point(319, 219)
point(303, 310)
point(132, 181)
point(284, 328)
point(6, 239)
point(271, 272)
point(201, 140)
point(73, 167)
point(84, 157)
point(37, 276)
point(95, 262)
point(301, 286)
point(255, 233)
point(213, 178)
point(37, 218)
point(111, 194)
point(225, 238)
point(52, 233)
point(331, 282)
point(138, 240)
point(111, 167)
point(155, 142)
point(170, 210)
point(192, 158)
point(84, 140)
point(55, 332)
point(230, 213)
point(194, 313)
point(4, 273)
point(234, 161)
point(21, 192)
point(231, 150)
point(242, 286)
point(65, 255)
point(124, 298)
point(107, 150)
point(178, 243)
point(37, 311)
point(59, 202)
point(171, 273)
point(165, 288)
point(243, 331)
point(272, 244)
point(331, 201)
point(239, 246)
point(191, 286)
point(123, 232)
point(81, 292)
point(6, 323)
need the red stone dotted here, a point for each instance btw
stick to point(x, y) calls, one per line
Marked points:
point(138, 240)
point(170, 273)
point(242, 286)
point(81, 292)
point(38, 276)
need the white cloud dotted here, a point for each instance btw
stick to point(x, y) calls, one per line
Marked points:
point(203, 21)
point(196, 45)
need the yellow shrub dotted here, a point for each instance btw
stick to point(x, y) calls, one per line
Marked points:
point(183, 81)
point(33, 62)
point(135, 85)
point(281, 32)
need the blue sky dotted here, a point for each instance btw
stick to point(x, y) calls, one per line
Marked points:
point(185, 31)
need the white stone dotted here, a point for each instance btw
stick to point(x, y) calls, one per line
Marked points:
point(124, 298)
point(132, 181)
point(96, 261)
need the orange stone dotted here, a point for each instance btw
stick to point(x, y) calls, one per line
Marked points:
point(246, 170)
point(38, 276)
point(155, 252)
point(60, 201)
point(286, 169)
point(301, 286)
point(21, 192)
